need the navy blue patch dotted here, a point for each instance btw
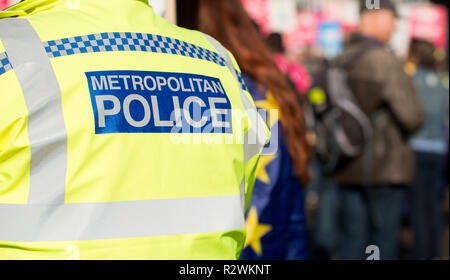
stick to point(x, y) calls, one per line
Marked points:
point(158, 102)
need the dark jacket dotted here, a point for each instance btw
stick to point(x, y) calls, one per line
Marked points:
point(434, 99)
point(386, 94)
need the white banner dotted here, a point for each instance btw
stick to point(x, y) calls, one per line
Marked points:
point(282, 15)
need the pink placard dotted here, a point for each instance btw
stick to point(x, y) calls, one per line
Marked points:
point(429, 22)
point(305, 31)
point(259, 12)
point(344, 12)
point(4, 4)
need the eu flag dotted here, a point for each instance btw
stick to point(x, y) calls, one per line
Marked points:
point(275, 221)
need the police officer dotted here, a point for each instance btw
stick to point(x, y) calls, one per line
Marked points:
point(106, 118)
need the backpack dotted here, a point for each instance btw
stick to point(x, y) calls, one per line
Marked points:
point(342, 128)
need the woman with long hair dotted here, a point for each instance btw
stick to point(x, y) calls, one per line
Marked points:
point(276, 223)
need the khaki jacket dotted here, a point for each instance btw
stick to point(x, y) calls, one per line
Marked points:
point(378, 81)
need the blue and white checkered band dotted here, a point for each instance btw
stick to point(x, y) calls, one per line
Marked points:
point(127, 41)
point(5, 65)
point(124, 41)
point(241, 80)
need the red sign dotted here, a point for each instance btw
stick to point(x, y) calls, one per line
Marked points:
point(344, 12)
point(429, 22)
point(4, 4)
point(304, 32)
point(258, 10)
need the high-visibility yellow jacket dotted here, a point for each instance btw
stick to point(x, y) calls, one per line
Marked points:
point(122, 136)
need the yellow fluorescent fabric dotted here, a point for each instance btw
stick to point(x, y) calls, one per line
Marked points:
point(14, 143)
point(250, 167)
point(201, 246)
point(171, 178)
point(120, 167)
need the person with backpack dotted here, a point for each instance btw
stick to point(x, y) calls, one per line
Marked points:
point(367, 108)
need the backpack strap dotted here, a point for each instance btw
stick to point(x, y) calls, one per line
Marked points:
point(369, 145)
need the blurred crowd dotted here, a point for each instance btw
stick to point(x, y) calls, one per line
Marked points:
point(362, 128)
point(375, 120)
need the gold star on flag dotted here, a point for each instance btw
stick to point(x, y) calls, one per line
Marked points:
point(255, 231)
point(261, 173)
point(269, 104)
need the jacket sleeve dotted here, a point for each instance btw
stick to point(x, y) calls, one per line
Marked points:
point(256, 133)
point(400, 95)
point(257, 136)
point(14, 141)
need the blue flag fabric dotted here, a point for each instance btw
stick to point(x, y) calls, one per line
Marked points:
point(276, 222)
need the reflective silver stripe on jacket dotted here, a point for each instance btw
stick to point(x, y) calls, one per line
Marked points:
point(256, 137)
point(46, 127)
point(46, 217)
point(125, 219)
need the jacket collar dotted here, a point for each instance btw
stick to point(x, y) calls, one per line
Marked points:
point(29, 7)
point(361, 38)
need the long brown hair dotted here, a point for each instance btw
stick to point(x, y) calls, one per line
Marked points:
point(228, 22)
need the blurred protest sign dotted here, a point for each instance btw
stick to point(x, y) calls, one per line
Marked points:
point(7, 3)
point(429, 22)
point(330, 38)
point(308, 23)
point(401, 38)
point(282, 15)
point(4, 4)
point(420, 21)
point(259, 12)
point(346, 12)
point(304, 32)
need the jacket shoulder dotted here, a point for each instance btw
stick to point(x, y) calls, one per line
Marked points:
point(188, 35)
point(382, 57)
point(375, 65)
point(11, 14)
point(25, 8)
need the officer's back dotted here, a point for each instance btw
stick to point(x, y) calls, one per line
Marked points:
point(102, 107)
